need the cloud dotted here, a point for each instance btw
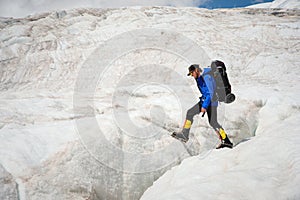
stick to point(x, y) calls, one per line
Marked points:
point(22, 8)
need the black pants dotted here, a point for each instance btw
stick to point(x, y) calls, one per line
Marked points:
point(211, 113)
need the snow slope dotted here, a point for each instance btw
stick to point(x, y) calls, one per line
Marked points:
point(89, 96)
point(265, 167)
point(287, 4)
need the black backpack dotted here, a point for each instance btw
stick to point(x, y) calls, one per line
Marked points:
point(223, 87)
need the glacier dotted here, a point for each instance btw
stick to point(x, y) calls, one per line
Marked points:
point(90, 96)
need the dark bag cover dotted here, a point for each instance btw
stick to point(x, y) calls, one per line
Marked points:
point(223, 87)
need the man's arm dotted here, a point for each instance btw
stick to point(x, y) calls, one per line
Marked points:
point(210, 91)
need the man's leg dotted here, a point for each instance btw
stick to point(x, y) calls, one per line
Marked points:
point(184, 134)
point(212, 114)
point(195, 110)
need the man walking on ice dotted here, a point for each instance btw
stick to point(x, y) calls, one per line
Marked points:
point(207, 104)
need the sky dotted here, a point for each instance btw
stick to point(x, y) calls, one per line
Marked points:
point(231, 3)
point(22, 8)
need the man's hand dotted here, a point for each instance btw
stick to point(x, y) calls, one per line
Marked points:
point(203, 110)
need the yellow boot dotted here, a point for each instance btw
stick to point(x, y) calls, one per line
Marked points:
point(184, 134)
point(225, 142)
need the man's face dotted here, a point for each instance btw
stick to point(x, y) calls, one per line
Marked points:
point(195, 73)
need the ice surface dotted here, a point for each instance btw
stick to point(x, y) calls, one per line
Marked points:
point(8, 186)
point(90, 96)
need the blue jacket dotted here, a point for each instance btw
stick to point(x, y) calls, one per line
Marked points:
point(207, 85)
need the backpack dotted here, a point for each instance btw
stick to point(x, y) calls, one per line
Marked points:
point(223, 87)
